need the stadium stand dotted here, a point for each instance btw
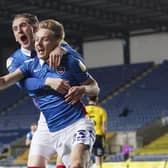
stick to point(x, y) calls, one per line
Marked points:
point(158, 146)
point(22, 159)
point(142, 102)
point(16, 119)
point(8, 136)
point(10, 96)
point(112, 77)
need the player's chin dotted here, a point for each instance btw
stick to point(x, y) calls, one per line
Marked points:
point(41, 56)
point(24, 44)
point(21, 43)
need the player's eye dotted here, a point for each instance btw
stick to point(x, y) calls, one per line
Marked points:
point(23, 24)
point(14, 28)
point(46, 39)
point(36, 39)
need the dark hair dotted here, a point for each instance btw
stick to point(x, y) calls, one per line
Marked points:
point(32, 19)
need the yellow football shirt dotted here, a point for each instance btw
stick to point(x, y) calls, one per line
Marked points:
point(99, 116)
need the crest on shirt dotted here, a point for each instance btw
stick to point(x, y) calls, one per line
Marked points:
point(60, 70)
point(82, 66)
point(9, 62)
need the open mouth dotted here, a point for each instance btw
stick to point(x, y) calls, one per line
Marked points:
point(24, 39)
point(41, 51)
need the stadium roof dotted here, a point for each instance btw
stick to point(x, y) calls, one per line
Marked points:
point(86, 20)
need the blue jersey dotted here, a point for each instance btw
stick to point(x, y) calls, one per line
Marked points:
point(57, 112)
point(16, 60)
point(29, 136)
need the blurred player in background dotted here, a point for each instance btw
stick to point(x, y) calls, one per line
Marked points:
point(24, 26)
point(30, 134)
point(73, 133)
point(126, 151)
point(99, 116)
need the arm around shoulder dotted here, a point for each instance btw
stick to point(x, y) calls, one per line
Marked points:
point(91, 87)
point(10, 79)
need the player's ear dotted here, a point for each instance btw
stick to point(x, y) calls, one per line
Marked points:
point(16, 39)
point(15, 36)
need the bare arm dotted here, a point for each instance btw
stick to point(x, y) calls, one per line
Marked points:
point(10, 79)
point(57, 54)
point(104, 126)
point(89, 88)
point(27, 142)
point(58, 84)
point(55, 57)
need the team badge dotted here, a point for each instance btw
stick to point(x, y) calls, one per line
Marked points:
point(60, 70)
point(82, 66)
point(9, 62)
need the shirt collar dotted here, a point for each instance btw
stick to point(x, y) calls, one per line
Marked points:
point(26, 52)
point(41, 62)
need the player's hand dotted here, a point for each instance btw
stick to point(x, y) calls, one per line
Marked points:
point(74, 94)
point(58, 84)
point(55, 57)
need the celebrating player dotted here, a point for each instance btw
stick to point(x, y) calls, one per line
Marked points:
point(65, 115)
point(24, 26)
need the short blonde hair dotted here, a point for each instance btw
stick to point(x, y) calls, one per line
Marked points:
point(53, 25)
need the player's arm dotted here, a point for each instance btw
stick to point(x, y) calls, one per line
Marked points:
point(104, 123)
point(58, 84)
point(28, 140)
point(10, 79)
point(88, 85)
point(91, 87)
point(29, 84)
point(57, 54)
point(34, 84)
point(104, 126)
point(88, 88)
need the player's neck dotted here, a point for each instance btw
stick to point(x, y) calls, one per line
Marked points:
point(92, 103)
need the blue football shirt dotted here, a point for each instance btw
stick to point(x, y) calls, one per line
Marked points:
point(57, 112)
